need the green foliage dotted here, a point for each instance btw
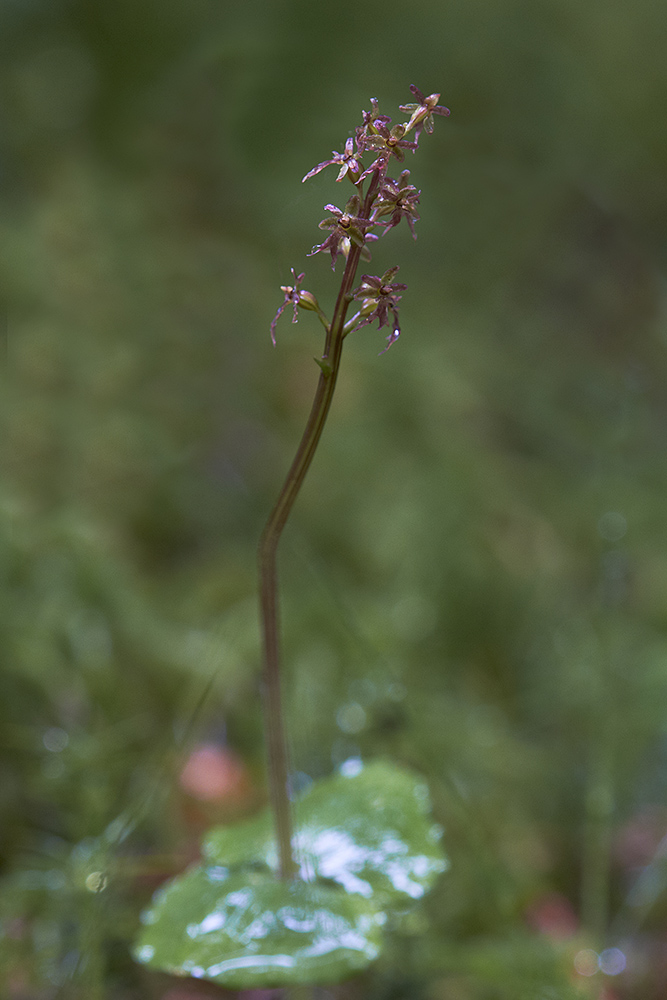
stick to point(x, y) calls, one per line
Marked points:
point(366, 848)
point(368, 828)
point(249, 929)
point(456, 596)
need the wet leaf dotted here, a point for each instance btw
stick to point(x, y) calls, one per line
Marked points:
point(368, 828)
point(365, 843)
point(242, 843)
point(249, 929)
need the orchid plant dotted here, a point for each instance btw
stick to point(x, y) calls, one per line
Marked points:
point(268, 906)
point(376, 196)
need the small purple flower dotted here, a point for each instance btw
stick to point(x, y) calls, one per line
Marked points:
point(398, 199)
point(369, 117)
point(346, 227)
point(386, 143)
point(421, 115)
point(292, 295)
point(379, 301)
point(349, 164)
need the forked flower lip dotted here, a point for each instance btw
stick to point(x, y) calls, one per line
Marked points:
point(292, 296)
point(347, 161)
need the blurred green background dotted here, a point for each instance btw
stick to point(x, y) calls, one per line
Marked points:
point(475, 577)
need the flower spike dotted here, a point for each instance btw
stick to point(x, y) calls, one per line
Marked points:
point(377, 206)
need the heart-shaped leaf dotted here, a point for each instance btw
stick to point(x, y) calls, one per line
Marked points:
point(364, 842)
point(250, 929)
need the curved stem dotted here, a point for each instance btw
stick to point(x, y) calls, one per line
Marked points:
point(268, 546)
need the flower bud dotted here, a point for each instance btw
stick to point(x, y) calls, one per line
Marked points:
point(368, 306)
point(308, 301)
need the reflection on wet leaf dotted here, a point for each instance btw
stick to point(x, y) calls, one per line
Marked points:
point(367, 831)
point(368, 828)
point(251, 929)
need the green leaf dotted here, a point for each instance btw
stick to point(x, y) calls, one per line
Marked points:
point(250, 929)
point(368, 828)
point(242, 843)
point(365, 843)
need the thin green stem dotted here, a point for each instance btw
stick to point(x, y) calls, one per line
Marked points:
point(268, 546)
